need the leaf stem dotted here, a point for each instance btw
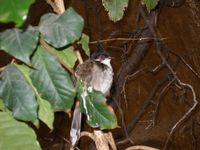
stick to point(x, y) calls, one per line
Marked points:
point(78, 55)
point(49, 49)
point(2, 68)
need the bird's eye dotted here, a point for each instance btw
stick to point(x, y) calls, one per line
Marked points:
point(100, 58)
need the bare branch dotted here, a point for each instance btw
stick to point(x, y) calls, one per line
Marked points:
point(88, 134)
point(145, 39)
point(141, 147)
point(185, 116)
point(159, 100)
point(185, 85)
point(185, 62)
point(57, 5)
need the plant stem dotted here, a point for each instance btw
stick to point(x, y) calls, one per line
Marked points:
point(48, 48)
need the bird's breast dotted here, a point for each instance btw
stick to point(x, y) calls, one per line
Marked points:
point(102, 80)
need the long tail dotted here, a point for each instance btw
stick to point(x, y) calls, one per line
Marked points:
point(75, 126)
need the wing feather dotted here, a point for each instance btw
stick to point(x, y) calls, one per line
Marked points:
point(84, 71)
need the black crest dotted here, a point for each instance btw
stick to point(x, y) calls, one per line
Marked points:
point(100, 51)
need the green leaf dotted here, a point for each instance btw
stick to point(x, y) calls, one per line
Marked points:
point(17, 94)
point(15, 135)
point(52, 81)
point(18, 43)
point(2, 106)
point(14, 11)
point(45, 111)
point(85, 44)
point(67, 55)
point(115, 8)
point(61, 30)
point(151, 4)
point(92, 103)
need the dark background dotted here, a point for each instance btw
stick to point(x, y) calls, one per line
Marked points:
point(180, 26)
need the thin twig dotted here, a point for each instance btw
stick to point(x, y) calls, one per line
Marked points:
point(185, 62)
point(128, 139)
point(126, 39)
point(185, 85)
point(128, 77)
point(194, 138)
point(159, 100)
point(142, 110)
point(138, 52)
point(13, 61)
point(185, 116)
point(188, 113)
point(157, 68)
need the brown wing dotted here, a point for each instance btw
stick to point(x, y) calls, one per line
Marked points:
point(84, 71)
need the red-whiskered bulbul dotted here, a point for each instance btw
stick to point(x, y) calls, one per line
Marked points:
point(96, 72)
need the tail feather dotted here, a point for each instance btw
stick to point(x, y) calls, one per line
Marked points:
point(75, 127)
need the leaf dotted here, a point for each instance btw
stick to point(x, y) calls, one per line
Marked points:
point(14, 11)
point(115, 8)
point(18, 43)
point(17, 94)
point(92, 103)
point(45, 112)
point(67, 55)
point(61, 30)
point(85, 44)
point(151, 4)
point(2, 106)
point(16, 135)
point(52, 81)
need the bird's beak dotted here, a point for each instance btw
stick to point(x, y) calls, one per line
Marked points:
point(112, 58)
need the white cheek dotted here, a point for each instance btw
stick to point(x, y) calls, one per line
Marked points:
point(106, 62)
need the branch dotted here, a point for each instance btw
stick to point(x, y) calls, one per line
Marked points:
point(102, 140)
point(185, 85)
point(185, 62)
point(159, 100)
point(147, 102)
point(126, 69)
point(141, 147)
point(57, 5)
point(185, 116)
point(145, 39)
point(88, 134)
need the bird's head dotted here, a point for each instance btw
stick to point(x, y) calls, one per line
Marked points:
point(100, 56)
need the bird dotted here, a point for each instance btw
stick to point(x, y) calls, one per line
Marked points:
point(97, 73)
